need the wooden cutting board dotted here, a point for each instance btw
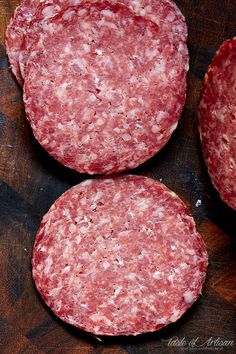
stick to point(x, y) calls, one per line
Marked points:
point(30, 181)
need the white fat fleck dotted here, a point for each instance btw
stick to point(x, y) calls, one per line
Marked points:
point(49, 27)
point(97, 329)
point(120, 261)
point(99, 122)
point(159, 212)
point(117, 130)
point(54, 292)
point(159, 68)
point(61, 90)
point(108, 180)
point(85, 306)
point(191, 252)
point(60, 126)
point(88, 182)
point(143, 203)
point(157, 275)
point(134, 310)
point(107, 13)
point(71, 320)
point(96, 317)
point(143, 12)
point(161, 320)
point(106, 265)
point(183, 266)
point(173, 194)
point(155, 129)
point(98, 51)
point(131, 276)
point(93, 206)
point(83, 201)
point(175, 315)
point(97, 196)
point(104, 221)
point(45, 141)
point(171, 278)
point(86, 48)
point(126, 137)
point(92, 98)
point(83, 230)
point(117, 197)
point(48, 11)
point(68, 48)
point(170, 17)
point(72, 228)
point(198, 203)
point(151, 53)
point(48, 264)
point(187, 67)
point(162, 115)
point(117, 290)
point(85, 139)
point(106, 23)
point(85, 25)
point(82, 11)
point(78, 240)
point(66, 269)
point(67, 15)
point(124, 233)
point(96, 80)
point(188, 297)
point(85, 255)
point(81, 63)
point(162, 293)
point(173, 248)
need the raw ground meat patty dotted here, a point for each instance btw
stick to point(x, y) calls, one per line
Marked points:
point(218, 121)
point(104, 92)
point(119, 256)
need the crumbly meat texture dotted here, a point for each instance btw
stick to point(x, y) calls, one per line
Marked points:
point(104, 92)
point(18, 28)
point(15, 32)
point(164, 13)
point(119, 256)
point(218, 121)
point(21, 34)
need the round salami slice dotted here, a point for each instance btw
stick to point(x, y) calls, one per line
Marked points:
point(164, 13)
point(218, 121)
point(104, 92)
point(119, 256)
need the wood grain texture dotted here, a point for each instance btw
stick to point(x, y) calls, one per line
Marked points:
point(30, 181)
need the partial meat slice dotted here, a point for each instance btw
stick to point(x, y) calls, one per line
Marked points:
point(218, 121)
point(119, 256)
point(15, 33)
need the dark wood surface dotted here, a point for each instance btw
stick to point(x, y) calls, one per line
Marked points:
point(30, 181)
